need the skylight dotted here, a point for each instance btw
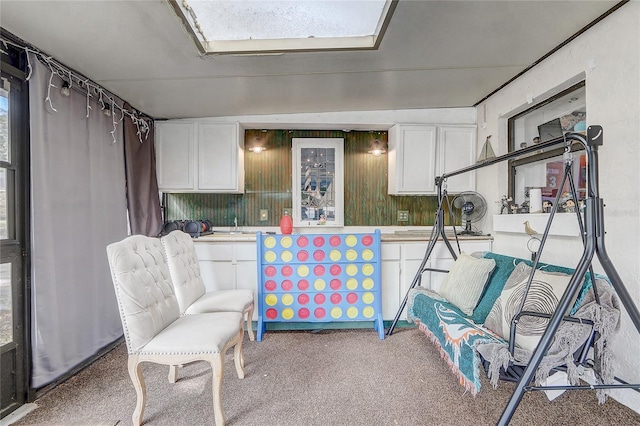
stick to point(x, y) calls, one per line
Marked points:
point(270, 26)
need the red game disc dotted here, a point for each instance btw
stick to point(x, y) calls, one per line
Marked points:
point(270, 271)
point(302, 241)
point(303, 285)
point(319, 313)
point(318, 270)
point(303, 313)
point(303, 299)
point(367, 240)
point(319, 298)
point(287, 270)
point(303, 255)
point(318, 255)
point(335, 298)
point(270, 285)
point(334, 241)
point(271, 314)
point(318, 241)
point(335, 284)
point(352, 298)
point(287, 285)
point(335, 270)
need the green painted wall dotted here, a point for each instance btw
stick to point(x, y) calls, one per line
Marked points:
point(268, 185)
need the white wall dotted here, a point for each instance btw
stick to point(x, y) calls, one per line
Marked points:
point(607, 55)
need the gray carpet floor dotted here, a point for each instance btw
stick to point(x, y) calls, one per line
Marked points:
point(346, 377)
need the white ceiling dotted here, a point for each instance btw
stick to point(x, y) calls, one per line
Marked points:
point(433, 54)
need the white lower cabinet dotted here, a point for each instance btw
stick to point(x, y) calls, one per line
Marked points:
point(228, 266)
point(233, 265)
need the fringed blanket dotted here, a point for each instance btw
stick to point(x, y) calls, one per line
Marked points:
point(567, 340)
point(452, 333)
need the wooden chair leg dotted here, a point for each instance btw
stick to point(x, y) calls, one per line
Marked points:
point(173, 373)
point(238, 357)
point(135, 372)
point(250, 323)
point(217, 367)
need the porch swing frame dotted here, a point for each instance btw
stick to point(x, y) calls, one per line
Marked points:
point(592, 233)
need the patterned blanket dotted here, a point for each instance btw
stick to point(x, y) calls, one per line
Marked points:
point(452, 333)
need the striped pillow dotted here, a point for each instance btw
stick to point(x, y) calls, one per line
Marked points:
point(465, 282)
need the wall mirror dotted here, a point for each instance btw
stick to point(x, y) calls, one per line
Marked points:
point(318, 173)
point(544, 169)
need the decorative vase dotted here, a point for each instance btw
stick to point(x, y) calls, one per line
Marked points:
point(286, 224)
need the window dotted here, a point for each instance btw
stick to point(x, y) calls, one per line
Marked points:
point(318, 174)
point(544, 169)
point(250, 26)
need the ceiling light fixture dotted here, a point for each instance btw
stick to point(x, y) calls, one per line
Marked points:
point(377, 148)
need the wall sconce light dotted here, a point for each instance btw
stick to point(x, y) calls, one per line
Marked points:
point(377, 148)
point(257, 149)
point(64, 90)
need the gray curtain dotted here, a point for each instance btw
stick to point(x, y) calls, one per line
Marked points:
point(78, 207)
point(143, 202)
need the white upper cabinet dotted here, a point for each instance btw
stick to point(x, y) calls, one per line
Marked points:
point(412, 160)
point(175, 155)
point(200, 157)
point(457, 149)
point(419, 153)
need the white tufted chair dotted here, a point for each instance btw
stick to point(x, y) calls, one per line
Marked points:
point(153, 328)
point(190, 289)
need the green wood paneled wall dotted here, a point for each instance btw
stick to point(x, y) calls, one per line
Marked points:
point(268, 185)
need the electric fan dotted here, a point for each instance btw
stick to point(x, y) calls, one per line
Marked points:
point(469, 207)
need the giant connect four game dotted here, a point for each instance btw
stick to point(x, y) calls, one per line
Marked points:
point(319, 278)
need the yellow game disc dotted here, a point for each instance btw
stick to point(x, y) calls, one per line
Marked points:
point(319, 284)
point(367, 298)
point(269, 242)
point(286, 242)
point(336, 313)
point(270, 256)
point(352, 312)
point(351, 255)
point(368, 312)
point(335, 255)
point(287, 299)
point(287, 313)
point(367, 254)
point(367, 269)
point(286, 256)
point(303, 270)
point(351, 240)
point(351, 269)
point(271, 299)
point(367, 283)
point(352, 284)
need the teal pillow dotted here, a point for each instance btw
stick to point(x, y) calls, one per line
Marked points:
point(493, 289)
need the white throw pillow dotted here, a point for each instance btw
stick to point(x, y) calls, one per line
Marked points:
point(544, 294)
point(465, 282)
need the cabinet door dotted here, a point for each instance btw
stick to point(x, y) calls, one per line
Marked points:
point(220, 158)
point(412, 160)
point(391, 297)
point(175, 156)
point(247, 271)
point(456, 150)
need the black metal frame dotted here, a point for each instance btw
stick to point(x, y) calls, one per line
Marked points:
point(594, 244)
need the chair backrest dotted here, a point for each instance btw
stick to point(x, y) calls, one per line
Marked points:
point(142, 282)
point(184, 268)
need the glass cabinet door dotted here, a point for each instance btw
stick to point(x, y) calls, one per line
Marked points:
point(318, 181)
